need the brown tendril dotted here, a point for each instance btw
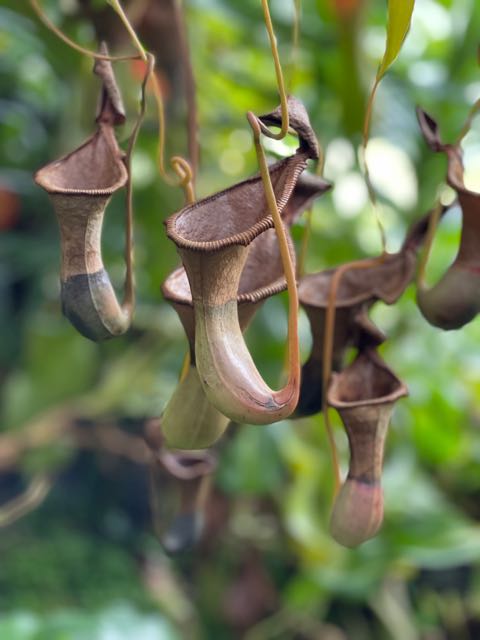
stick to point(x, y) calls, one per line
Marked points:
point(328, 349)
point(472, 113)
point(432, 226)
point(54, 29)
point(279, 76)
point(307, 232)
point(468, 122)
point(293, 351)
point(180, 165)
point(190, 88)
point(30, 499)
point(321, 161)
point(129, 299)
point(293, 345)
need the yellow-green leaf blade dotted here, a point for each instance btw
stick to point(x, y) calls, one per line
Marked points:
point(399, 18)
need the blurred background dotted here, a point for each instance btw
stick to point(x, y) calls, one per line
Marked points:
point(86, 564)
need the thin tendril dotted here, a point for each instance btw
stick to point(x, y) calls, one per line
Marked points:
point(129, 299)
point(432, 226)
point(29, 500)
point(185, 367)
point(49, 24)
point(292, 67)
point(328, 349)
point(473, 111)
point(366, 172)
point(320, 164)
point(321, 160)
point(117, 7)
point(307, 233)
point(468, 122)
point(280, 82)
point(293, 346)
point(179, 165)
point(190, 88)
point(289, 270)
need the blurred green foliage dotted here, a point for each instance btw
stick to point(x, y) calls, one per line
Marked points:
point(86, 565)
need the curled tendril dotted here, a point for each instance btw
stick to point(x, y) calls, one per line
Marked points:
point(180, 166)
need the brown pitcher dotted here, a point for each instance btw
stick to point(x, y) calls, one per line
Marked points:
point(188, 484)
point(80, 186)
point(359, 289)
point(455, 299)
point(214, 237)
point(190, 421)
point(364, 395)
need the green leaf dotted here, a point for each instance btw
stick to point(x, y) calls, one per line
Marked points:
point(399, 18)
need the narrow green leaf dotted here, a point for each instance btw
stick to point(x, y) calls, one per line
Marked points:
point(399, 18)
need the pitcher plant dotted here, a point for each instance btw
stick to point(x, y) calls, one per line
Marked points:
point(455, 300)
point(214, 237)
point(80, 186)
point(179, 511)
point(359, 289)
point(364, 395)
point(190, 421)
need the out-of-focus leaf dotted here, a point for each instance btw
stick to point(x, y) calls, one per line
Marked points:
point(117, 623)
point(120, 622)
point(19, 626)
point(251, 463)
point(59, 364)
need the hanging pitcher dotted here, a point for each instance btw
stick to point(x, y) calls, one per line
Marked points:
point(455, 300)
point(359, 289)
point(190, 421)
point(186, 486)
point(213, 238)
point(80, 186)
point(364, 394)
